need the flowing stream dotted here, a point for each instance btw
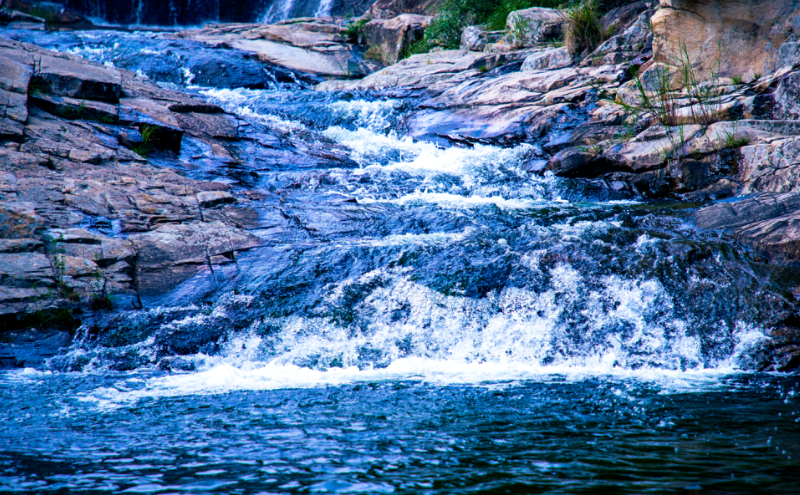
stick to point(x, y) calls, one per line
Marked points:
point(421, 319)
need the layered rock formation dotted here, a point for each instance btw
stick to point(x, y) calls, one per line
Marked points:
point(87, 215)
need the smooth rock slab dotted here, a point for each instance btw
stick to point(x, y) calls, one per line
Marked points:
point(173, 253)
point(78, 79)
point(549, 59)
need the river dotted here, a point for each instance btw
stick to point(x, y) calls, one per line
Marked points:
point(427, 319)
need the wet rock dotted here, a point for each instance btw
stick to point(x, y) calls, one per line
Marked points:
point(64, 76)
point(31, 347)
point(173, 253)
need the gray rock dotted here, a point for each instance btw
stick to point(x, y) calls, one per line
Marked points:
point(62, 76)
point(473, 38)
point(549, 59)
point(530, 26)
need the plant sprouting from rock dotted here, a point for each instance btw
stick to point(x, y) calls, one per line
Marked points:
point(584, 28)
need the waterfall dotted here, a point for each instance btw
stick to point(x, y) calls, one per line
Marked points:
point(197, 12)
point(324, 8)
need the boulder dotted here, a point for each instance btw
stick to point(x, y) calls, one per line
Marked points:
point(739, 38)
point(390, 39)
point(530, 26)
point(387, 9)
point(473, 38)
point(311, 46)
point(548, 59)
point(435, 72)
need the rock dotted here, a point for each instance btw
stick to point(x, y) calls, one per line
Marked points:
point(25, 270)
point(79, 243)
point(388, 9)
point(65, 76)
point(577, 161)
point(741, 36)
point(549, 59)
point(310, 46)
point(771, 167)
point(14, 80)
point(71, 108)
point(435, 72)
point(14, 76)
point(530, 26)
point(390, 39)
point(19, 221)
point(502, 123)
point(473, 38)
point(210, 199)
point(154, 119)
point(173, 253)
point(784, 102)
point(651, 149)
point(31, 347)
point(733, 215)
point(633, 39)
point(771, 222)
point(21, 246)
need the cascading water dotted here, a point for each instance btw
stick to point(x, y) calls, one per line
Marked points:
point(197, 12)
point(425, 320)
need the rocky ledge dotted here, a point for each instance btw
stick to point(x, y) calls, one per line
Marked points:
point(94, 188)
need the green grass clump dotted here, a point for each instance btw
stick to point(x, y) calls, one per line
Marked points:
point(584, 28)
point(454, 15)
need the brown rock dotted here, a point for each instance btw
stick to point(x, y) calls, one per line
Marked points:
point(19, 220)
point(390, 38)
point(742, 36)
point(173, 253)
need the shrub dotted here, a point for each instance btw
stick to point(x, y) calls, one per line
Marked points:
point(584, 28)
point(454, 15)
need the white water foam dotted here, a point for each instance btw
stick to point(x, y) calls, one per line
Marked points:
point(448, 339)
point(456, 201)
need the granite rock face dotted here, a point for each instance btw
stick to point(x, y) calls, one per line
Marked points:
point(392, 37)
point(735, 37)
point(88, 212)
